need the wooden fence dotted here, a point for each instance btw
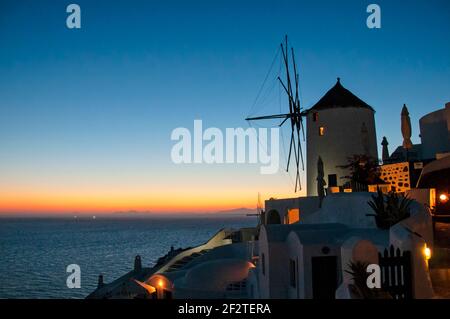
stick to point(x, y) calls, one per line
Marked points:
point(396, 273)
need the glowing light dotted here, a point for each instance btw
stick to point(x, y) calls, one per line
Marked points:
point(321, 131)
point(293, 216)
point(427, 252)
point(86, 201)
point(443, 198)
point(160, 283)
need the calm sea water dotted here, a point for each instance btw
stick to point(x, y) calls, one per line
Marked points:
point(34, 253)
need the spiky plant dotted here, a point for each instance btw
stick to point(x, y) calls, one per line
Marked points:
point(398, 207)
point(359, 276)
point(359, 273)
point(379, 207)
point(389, 209)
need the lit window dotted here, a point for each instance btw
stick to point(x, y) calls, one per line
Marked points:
point(315, 116)
point(321, 131)
point(293, 216)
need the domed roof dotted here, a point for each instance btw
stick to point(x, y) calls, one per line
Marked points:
point(338, 96)
point(215, 275)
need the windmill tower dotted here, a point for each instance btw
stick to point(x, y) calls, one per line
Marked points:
point(338, 126)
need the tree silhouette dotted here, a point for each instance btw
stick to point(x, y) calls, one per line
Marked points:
point(364, 170)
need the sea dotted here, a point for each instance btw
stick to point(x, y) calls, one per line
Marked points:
point(35, 252)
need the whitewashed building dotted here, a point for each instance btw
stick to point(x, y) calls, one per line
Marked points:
point(338, 126)
point(309, 259)
point(435, 132)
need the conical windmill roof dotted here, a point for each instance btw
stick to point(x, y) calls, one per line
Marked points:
point(337, 97)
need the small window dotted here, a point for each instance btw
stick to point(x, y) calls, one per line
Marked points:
point(321, 131)
point(315, 116)
point(263, 264)
point(292, 273)
point(332, 180)
point(292, 216)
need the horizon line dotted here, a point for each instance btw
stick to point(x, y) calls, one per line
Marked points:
point(128, 213)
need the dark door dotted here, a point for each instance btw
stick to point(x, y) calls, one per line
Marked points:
point(324, 277)
point(167, 294)
point(332, 180)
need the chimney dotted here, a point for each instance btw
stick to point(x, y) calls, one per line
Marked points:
point(447, 106)
point(137, 264)
point(100, 281)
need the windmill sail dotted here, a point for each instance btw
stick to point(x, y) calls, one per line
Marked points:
point(295, 115)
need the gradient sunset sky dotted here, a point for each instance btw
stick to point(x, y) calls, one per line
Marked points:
point(86, 115)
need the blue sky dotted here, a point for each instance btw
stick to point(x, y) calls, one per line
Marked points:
point(96, 106)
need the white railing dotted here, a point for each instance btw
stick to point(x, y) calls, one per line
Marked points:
point(219, 239)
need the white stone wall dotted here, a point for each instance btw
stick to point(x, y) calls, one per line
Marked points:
point(263, 279)
point(295, 249)
point(342, 138)
point(306, 205)
point(354, 249)
point(406, 240)
point(435, 132)
point(349, 209)
point(274, 284)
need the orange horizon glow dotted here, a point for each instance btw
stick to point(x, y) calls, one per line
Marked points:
point(104, 202)
point(192, 192)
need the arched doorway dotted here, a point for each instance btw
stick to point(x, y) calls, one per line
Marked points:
point(273, 217)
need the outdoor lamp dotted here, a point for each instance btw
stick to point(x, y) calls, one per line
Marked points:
point(427, 252)
point(443, 198)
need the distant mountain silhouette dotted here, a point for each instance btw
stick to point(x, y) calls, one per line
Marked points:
point(242, 211)
point(236, 211)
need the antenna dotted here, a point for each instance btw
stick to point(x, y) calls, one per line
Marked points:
point(259, 209)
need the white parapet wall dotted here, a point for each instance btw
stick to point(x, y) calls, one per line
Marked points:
point(352, 250)
point(349, 209)
point(425, 196)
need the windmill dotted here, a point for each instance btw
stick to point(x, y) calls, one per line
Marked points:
point(295, 115)
point(259, 210)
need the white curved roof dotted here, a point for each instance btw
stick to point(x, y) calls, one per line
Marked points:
point(216, 275)
point(436, 165)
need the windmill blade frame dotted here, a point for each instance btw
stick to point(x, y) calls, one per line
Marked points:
point(295, 113)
